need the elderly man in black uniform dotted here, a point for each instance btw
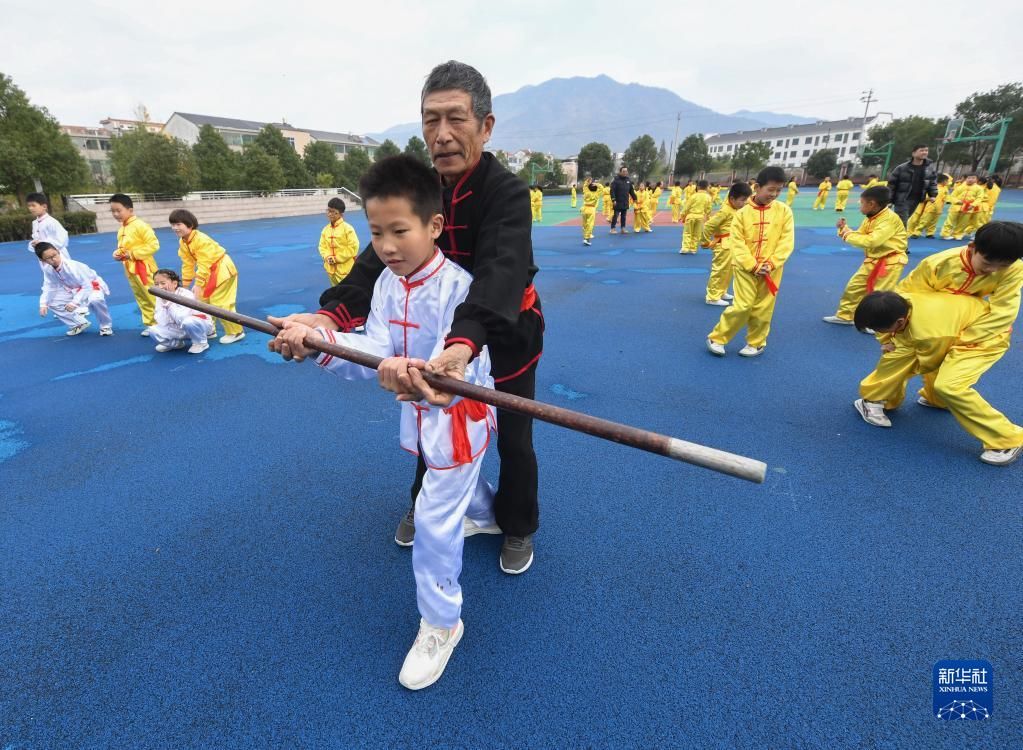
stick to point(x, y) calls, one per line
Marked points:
point(487, 232)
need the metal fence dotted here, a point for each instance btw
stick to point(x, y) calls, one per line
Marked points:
point(92, 199)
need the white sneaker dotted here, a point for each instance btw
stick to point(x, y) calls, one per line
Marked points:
point(718, 302)
point(211, 333)
point(198, 348)
point(837, 320)
point(868, 331)
point(752, 351)
point(106, 331)
point(145, 332)
point(168, 347)
point(872, 412)
point(470, 528)
point(232, 337)
point(922, 400)
point(428, 656)
point(1002, 457)
point(586, 242)
point(728, 297)
point(715, 348)
point(78, 329)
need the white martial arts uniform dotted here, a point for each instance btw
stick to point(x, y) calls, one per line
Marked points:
point(410, 317)
point(175, 323)
point(75, 283)
point(48, 229)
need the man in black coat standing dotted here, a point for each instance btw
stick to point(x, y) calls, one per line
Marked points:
point(488, 233)
point(621, 191)
point(912, 182)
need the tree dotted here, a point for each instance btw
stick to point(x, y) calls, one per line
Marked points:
point(596, 160)
point(751, 157)
point(354, 166)
point(822, 163)
point(502, 158)
point(417, 147)
point(903, 133)
point(33, 148)
point(987, 108)
point(273, 142)
point(261, 172)
point(320, 158)
point(144, 162)
point(386, 149)
point(641, 157)
point(218, 165)
point(693, 156)
point(325, 179)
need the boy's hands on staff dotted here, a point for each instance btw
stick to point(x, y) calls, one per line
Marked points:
point(290, 342)
point(405, 376)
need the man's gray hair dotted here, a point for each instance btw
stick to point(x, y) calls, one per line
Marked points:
point(458, 75)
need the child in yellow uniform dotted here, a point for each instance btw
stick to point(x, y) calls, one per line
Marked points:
point(882, 237)
point(654, 202)
point(339, 245)
point(207, 269)
point(693, 217)
point(675, 202)
point(609, 207)
point(871, 181)
point(986, 208)
point(842, 193)
point(575, 198)
point(925, 219)
point(923, 335)
point(761, 238)
point(955, 204)
point(793, 192)
point(990, 267)
point(136, 249)
point(591, 194)
point(536, 202)
point(715, 234)
point(822, 194)
point(688, 191)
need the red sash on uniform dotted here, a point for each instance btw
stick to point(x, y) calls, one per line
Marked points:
point(528, 298)
point(771, 286)
point(211, 282)
point(880, 268)
point(140, 271)
point(461, 412)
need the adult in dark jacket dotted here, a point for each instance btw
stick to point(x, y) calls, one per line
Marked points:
point(488, 233)
point(912, 182)
point(621, 191)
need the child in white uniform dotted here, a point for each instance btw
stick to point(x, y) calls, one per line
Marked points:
point(44, 227)
point(175, 323)
point(72, 290)
point(411, 311)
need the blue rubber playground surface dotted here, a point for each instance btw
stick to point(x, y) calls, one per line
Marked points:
point(196, 551)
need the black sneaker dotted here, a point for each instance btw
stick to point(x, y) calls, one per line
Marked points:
point(516, 554)
point(405, 534)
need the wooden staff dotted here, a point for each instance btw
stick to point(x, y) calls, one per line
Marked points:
point(663, 445)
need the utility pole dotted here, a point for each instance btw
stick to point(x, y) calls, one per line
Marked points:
point(867, 98)
point(670, 166)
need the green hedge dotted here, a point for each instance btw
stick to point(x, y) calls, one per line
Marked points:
point(18, 225)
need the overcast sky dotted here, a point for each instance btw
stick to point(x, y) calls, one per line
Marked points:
point(358, 66)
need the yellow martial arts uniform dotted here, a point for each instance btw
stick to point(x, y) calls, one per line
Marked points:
point(842, 193)
point(575, 198)
point(714, 192)
point(985, 209)
point(651, 205)
point(339, 246)
point(689, 190)
point(675, 202)
point(609, 207)
point(882, 237)
point(870, 183)
point(641, 215)
point(136, 248)
point(695, 214)
point(715, 232)
point(955, 204)
point(536, 203)
point(216, 278)
point(935, 344)
point(589, 211)
point(925, 218)
point(972, 198)
point(760, 237)
point(793, 192)
point(822, 195)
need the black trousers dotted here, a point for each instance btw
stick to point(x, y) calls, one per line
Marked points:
point(623, 212)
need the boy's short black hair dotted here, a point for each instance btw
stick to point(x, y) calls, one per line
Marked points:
point(880, 194)
point(919, 146)
point(39, 198)
point(740, 190)
point(124, 200)
point(170, 273)
point(702, 185)
point(404, 177)
point(42, 247)
point(181, 216)
point(879, 311)
point(771, 174)
point(594, 185)
point(998, 241)
point(337, 204)
point(969, 174)
point(942, 179)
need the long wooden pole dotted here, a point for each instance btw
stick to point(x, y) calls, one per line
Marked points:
point(681, 450)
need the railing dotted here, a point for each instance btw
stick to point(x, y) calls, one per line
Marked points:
point(92, 199)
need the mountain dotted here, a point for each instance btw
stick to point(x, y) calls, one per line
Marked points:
point(561, 115)
point(774, 119)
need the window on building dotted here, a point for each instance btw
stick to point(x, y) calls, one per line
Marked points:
point(852, 149)
point(806, 153)
point(729, 146)
point(856, 136)
point(778, 143)
point(339, 148)
point(777, 154)
point(291, 141)
point(816, 141)
point(842, 152)
point(786, 143)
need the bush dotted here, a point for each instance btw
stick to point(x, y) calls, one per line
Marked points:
point(18, 225)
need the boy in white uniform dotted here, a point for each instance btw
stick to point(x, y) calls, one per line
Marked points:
point(72, 289)
point(175, 323)
point(410, 315)
point(45, 228)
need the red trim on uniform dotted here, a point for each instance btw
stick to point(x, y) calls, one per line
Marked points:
point(528, 298)
point(879, 270)
point(332, 316)
point(403, 323)
point(515, 374)
point(468, 342)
